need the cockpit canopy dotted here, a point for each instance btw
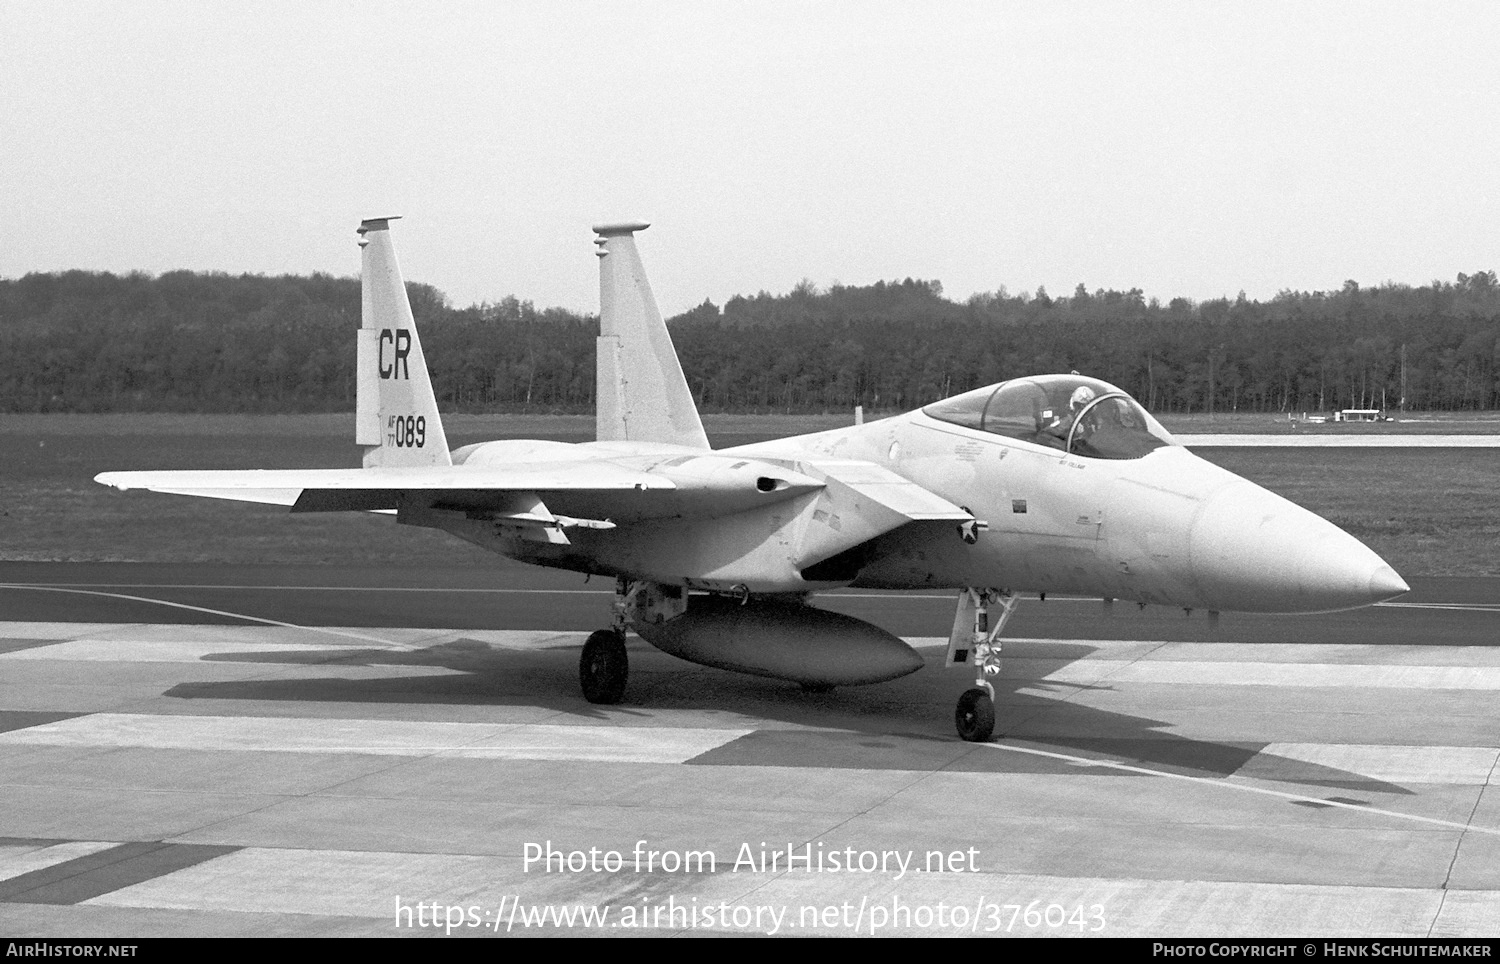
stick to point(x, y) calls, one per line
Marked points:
point(1081, 416)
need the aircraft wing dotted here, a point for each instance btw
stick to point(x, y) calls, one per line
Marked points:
point(335, 490)
point(854, 501)
point(595, 489)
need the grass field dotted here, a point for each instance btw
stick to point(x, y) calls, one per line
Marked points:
point(1427, 511)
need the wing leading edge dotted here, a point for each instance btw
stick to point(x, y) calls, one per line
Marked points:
point(349, 490)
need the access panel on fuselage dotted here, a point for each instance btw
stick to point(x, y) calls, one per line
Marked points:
point(1043, 509)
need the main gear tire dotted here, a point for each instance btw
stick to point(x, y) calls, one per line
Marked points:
point(603, 668)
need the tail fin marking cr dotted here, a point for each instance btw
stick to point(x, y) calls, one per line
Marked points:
point(396, 415)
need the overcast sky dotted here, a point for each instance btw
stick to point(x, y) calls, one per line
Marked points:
point(1189, 149)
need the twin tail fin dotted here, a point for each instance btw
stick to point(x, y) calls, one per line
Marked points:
point(641, 393)
point(395, 416)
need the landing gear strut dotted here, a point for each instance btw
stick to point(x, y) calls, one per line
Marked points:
point(604, 668)
point(976, 642)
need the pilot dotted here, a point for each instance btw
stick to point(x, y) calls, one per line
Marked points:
point(1055, 432)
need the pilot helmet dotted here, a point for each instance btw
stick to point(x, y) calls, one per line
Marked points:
point(1082, 395)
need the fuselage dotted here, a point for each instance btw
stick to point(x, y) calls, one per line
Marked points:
point(1092, 499)
point(1166, 528)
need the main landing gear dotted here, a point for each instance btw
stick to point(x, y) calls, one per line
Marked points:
point(976, 642)
point(603, 667)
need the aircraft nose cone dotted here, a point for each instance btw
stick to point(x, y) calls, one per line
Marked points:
point(1254, 551)
point(1386, 584)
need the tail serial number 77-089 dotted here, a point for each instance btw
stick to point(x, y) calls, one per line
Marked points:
point(1051, 483)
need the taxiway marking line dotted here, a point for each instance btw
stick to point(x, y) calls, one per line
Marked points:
point(1090, 671)
point(1460, 607)
point(1464, 607)
point(1401, 764)
point(555, 592)
point(202, 609)
point(196, 585)
point(1223, 784)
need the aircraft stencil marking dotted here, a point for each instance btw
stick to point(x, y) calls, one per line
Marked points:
point(400, 342)
point(407, 431)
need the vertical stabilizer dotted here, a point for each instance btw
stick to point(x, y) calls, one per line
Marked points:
point(395, 414)
point(641, 394)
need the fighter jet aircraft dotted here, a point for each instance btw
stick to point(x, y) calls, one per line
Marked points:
point(1054, 483)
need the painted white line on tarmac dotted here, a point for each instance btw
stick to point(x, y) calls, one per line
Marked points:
point(1446, 765)
point(200, 609)
point(1090, 672)
point(1228, 784)
point(1320, 440)
point(486, 741)
point(1462, 607)
point(498, 591)
point(107, 650)
point(122, 642)
point(279, 588)
point(434, 589)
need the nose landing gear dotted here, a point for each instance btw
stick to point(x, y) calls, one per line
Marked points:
point(975, 642)
point(975, 716)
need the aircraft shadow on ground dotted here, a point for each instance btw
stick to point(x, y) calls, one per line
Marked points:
point(903, 724)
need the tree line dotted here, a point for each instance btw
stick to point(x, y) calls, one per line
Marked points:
point(81, 341)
